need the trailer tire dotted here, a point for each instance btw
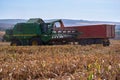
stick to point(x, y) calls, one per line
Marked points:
point(106, 44)
point(15, 43)
point(35, 41)
point(83, 42)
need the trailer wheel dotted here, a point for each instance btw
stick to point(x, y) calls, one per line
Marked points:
point(15, 43)
point(106, 43)
point(83, 42)
point(35, 41)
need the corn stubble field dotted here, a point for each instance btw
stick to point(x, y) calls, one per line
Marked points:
point(60, 62)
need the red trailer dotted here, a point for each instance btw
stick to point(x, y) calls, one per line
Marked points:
point(94, 34)
point(95, 31)
point(89, 34)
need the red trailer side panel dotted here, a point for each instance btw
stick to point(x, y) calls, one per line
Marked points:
point(95, 31)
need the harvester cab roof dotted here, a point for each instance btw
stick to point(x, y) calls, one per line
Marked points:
point(35, 20)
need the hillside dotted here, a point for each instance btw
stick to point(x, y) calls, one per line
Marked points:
point(5, 23)
point(9, 23)
point(12, 21)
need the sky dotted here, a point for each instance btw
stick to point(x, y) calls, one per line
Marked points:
point(93, 10)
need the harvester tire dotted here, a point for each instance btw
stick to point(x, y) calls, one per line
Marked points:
point(35, 41)
point(15, 43)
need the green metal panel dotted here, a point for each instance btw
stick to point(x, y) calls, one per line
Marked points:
point(26, 30)
point(45, 38)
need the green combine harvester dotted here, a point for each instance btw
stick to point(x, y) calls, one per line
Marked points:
point(37, 32)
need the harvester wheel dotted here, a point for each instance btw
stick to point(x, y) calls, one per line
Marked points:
point(35, 41)
point(15, 43)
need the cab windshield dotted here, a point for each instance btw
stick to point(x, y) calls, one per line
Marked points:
point(45, 27)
